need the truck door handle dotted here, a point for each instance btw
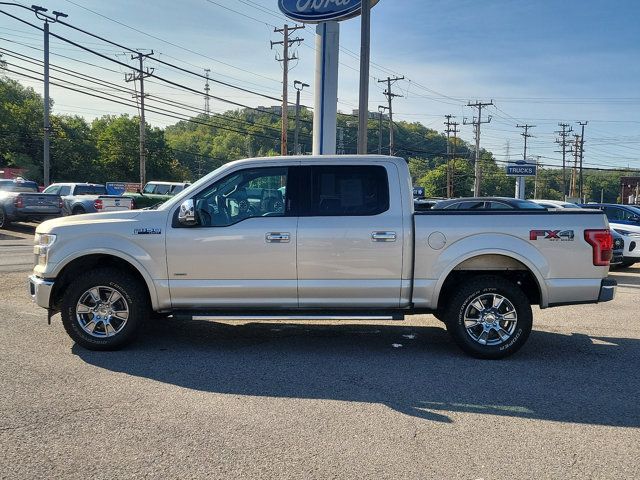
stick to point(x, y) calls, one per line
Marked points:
point(278, 237)
point(383, 236)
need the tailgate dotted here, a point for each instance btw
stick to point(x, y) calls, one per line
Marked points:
point(111, 203)
point(38, 203)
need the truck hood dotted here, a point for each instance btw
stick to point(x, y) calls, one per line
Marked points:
point(93, 219)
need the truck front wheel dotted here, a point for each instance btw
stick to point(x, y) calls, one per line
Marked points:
point(104, 308)
point(489, 317)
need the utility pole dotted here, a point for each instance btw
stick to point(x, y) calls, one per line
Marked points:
point(207, 89)
point(365, 53)
point(390, 96)
point(449, 172)
point(299, 86)
point(455, 132)
point(39, 11)
point(477, 122)
point(574, 173)
point(381, 110)
point(286, 43)
point(582, 124)
point(140, 76)
point(47, 106)
point(520, 183)
point(562, 141)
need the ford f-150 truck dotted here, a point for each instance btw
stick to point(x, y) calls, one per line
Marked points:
point(21, 201)
point(317, 238)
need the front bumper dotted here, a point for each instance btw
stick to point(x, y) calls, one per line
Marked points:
point(40, 291)
point(608, 289)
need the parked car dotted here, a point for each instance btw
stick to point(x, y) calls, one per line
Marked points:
point(617, 259)
point(424, 204)
point(21, 201)
point(486, 203)
point(555, 203)
point(624, 219)
point(342, 243)
point(81, 198)
point(155, 193)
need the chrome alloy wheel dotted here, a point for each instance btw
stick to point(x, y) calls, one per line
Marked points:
point(490, 319)
point(102, 312)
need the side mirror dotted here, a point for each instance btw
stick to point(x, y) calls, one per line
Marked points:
point(187, 215)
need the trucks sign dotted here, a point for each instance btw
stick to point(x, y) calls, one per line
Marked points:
point(521, 169)
point(316, 11)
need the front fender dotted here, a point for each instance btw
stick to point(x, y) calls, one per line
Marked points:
point(491, 244)
point(142, 260)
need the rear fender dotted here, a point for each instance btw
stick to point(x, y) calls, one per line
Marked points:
point(491, 244)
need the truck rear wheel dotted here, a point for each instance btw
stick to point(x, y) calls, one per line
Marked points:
point(489, 317)
point(104, 308)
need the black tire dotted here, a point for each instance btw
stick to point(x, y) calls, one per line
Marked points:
point(131, 291)
point(78, 211)
point(4, 221)
point(504, 336)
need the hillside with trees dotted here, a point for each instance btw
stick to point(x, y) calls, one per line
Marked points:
point(107, 148)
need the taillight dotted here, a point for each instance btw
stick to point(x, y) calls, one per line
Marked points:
point(602, 243)
point(133, 204)
point(19, 202)
point(97, 204)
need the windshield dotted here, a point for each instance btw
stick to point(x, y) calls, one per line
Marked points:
point(157, 189)
point(525, 205)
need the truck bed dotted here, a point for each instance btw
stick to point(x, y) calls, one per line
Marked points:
point(549, 244)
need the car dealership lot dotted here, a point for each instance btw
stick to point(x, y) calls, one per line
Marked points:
point(319, 400)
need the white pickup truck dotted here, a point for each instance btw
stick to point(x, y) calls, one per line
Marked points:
point(318, 238)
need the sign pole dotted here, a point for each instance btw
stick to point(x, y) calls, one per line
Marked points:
point(365, 50)
point(326, 85)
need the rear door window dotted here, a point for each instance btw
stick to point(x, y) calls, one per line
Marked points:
point(614, 213)
point(348, 190)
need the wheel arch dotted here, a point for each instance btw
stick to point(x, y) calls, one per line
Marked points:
point(509, 265)
point(85, 262)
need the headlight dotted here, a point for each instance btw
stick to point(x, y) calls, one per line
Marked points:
point(43, 242)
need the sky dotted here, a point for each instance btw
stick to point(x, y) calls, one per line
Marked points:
point(541, 62)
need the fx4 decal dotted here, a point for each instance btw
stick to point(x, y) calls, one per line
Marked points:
point(553, 235)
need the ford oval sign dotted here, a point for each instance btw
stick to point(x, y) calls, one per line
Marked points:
point(316, 11)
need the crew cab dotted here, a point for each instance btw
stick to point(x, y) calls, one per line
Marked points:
point(20, 200)
point(81, 198)
point(316, 238)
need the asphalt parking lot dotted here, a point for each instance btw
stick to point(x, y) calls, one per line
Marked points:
point(317, 400)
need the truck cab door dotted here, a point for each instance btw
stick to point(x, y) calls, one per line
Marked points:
point(242, 252)
point(350, 236)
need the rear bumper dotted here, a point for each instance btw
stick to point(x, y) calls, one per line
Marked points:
point(608, 289)
point(40, 291)
point(18, 215)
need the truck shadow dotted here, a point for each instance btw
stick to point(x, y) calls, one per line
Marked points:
point(565, 378)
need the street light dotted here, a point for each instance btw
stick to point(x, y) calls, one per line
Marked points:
point(40, 14)
point(299, 86)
